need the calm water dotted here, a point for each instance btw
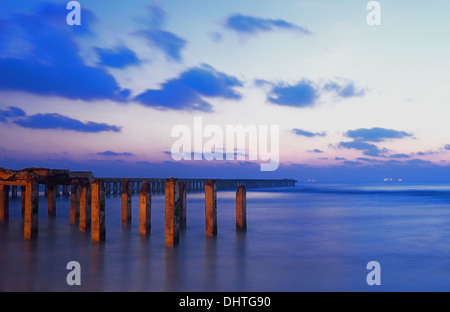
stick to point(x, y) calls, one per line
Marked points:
point(311, 237)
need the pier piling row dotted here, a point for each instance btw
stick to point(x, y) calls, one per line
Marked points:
point(87, 199)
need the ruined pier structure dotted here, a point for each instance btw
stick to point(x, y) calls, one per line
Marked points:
point(87, 199)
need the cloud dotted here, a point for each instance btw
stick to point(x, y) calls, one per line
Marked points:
point(11, 112)
point(167, 42)
point(400, 156)
point(308, 133)
point(186, 91)
point(37, 56)
point(371, 160)
point(316, 150)
point(345, 90)
point(339, 158)
point(52, 13)
point(351, 163)
point(367, 148)
point(111, 153)
point(362, 136)
point(376, 134)
point(447, 147)
point(305, 93)
point(418, 162)
point(119, 57)
point(57, 121)
point(302, 94)
point(251, 25)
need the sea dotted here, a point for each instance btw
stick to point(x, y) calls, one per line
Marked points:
point(306, 238)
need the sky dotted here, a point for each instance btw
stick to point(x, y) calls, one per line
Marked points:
point(352, 101)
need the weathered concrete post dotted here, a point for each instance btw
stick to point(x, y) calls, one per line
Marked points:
point(14, 191)
point(66, 190)
point(114, 187)
point(126, 202)
point(145, 209)
point(98, 230)
point(22, 200)
point(74, 201)
point(85, 207)
point(172, 213)
point(4, 202)
point(241, 208)
point(182, 200)
point(58, 191)
point(51, 200)
point(108, 188)
point(31, 209)
point(153, 187)
point(210, 208)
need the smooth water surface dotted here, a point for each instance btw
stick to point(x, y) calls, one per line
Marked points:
point(311, 237)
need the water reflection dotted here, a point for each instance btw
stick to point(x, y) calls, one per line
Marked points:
point(241, 260)
point(171, 269)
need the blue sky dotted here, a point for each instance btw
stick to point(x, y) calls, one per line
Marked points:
point(353, 101)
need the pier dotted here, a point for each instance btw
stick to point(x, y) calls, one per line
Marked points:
point(88, 205)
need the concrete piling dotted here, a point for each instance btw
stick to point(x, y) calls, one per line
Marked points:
point(182, 203)
point(85, 207)
point(31, 209)
point(108, 188)
point(241, 208)
point(4, 202)
point(51, 200)
point(14, 191)
point(172, 213)
point(22, 200)
point(66, 192)
point(210, 208)
point(98, 228)
point(126, 202)
point(74, 201)
point(145, 209)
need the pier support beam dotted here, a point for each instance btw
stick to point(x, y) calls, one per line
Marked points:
point(51, 200)
point(85, 207)
point(31, 209)
point(4, 202)
point(210, 208)
point(172, 213)
point(22, 200)
point(14, 191)
point(126, 202)
point(241, 208)
point(74, 201)
point(108, 188)
point(66, 191)
point(145, 209)
point(182, 201)
point(98, 230)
